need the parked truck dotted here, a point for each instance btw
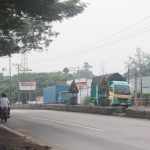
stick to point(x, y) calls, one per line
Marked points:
point(119, 90)
point(56, 94)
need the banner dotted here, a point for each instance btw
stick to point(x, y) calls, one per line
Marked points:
point(27, 86)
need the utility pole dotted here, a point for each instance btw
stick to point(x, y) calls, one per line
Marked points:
point(141, 87)
point(18, 68)
point(79, 83)
point(18, 85)
point(141, 80)
point(128, 74)
point(135, 94)
point(10, 77)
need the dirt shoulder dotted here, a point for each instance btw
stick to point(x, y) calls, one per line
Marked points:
point(10, 141)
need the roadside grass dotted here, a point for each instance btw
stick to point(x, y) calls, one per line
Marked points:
point(87, 101)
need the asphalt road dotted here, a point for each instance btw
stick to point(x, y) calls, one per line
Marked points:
point(80, 131)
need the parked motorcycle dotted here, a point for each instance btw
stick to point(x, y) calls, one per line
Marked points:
point(4, 114)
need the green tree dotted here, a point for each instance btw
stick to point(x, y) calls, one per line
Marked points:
point(140, 62)
point(103, 87)
point(73, 88)
point(85, 72)
point(43, 80)
point(26, 25)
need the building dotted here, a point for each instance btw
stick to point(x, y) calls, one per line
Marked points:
point(145, 84)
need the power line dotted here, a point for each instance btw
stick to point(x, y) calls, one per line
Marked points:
point(107, 37)
point(106, 44)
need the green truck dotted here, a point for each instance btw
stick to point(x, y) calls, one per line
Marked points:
point(119, 90)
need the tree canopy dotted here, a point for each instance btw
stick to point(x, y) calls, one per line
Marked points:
point(26, 25)
point(85, 71)
point(140, 62)
point(43, 80)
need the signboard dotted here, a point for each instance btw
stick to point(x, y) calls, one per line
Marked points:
point(27, 86)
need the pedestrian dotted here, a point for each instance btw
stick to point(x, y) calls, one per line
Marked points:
point(4, 102)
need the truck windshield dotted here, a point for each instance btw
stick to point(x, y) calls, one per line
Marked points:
point(122, 90)
point(65, 95)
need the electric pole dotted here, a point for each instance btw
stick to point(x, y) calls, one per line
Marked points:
point(18, 67)
point(135, 94)
point(128, 74)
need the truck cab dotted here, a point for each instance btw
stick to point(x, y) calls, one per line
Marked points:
point(64, 97)
point(119, 93)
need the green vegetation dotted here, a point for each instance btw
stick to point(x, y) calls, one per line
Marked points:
point(87, 101)
point(140, 62)
point(73, 88)
point(26, 25)
point(43, 80)
point(86, 72)
point(144, 95)
point(103, 87)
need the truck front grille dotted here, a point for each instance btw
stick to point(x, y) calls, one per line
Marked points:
point(122, 99)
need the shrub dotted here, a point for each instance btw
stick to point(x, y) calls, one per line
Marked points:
point(73, 88)
point(103, 87)
point(87, 101)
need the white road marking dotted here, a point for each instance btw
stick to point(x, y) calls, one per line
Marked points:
point(61, 122)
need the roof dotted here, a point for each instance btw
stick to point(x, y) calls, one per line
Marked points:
point(84, 80)
point(110, 77)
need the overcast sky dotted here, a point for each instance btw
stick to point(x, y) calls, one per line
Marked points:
point(105, 34)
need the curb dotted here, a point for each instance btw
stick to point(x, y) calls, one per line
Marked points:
point(27, 138)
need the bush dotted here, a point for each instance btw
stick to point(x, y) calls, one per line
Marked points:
point(73, 88)
point(103, 87)
point(144, 95)
point(87, 101)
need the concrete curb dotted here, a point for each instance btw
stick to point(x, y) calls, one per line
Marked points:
point(24, 137)
point(106, 110)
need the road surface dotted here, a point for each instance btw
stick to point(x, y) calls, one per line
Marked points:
point(81, 131)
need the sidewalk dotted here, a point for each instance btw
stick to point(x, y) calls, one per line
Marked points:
point(12, 141)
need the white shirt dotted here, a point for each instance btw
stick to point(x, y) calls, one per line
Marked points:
point(4, 102)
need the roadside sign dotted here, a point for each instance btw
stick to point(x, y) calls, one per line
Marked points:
point(29, 86)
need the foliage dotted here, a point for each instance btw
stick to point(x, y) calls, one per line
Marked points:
point(103, 86)
point(43, 80)
point(73, 88)
point(141, 63)
point(87, 101)
point(85, 71)
point(26, 25)
point(144, 95)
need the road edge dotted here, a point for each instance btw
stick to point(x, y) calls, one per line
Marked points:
point(24, 137)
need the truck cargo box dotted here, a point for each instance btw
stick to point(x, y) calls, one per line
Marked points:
point(50, 94)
